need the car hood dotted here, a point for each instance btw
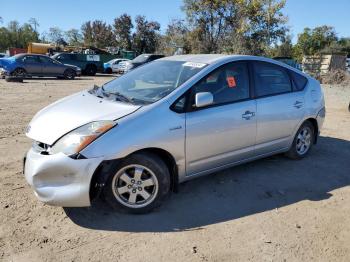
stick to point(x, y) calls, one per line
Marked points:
point(135, 64)
point(73, 66)
point(71, 112)
point(5, 62)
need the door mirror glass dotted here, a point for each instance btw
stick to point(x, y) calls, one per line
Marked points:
point(204, 99)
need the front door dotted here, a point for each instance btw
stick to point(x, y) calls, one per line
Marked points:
point(224, 132)
point(51, 67)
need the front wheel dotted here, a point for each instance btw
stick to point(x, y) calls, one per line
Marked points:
point(139, 183)
point(19, 73)
point(302, 142)
point(69, 74)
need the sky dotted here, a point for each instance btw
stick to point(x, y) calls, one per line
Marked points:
point(67, 14)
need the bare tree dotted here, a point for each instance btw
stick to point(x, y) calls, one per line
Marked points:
point(34, 23)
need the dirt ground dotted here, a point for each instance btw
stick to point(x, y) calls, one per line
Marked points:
point(273, 209)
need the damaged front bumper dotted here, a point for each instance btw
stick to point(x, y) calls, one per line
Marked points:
point(3, 73)
point(60, 180)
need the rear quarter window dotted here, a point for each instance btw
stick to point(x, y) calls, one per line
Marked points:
point(299, 81)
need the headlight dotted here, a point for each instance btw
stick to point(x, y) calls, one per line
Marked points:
point(78, 139)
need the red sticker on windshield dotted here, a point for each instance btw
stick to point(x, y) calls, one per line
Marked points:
point(231, 81)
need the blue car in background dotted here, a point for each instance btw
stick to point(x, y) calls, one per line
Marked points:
point(28, 65)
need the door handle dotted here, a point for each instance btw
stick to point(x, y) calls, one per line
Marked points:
point(298, 104)
point(248, 115)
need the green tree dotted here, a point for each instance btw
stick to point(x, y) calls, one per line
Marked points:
point(122, 30)
point(176, 37)
point(74, 37)
point(146, 37)
point(207, 19)
point(283, 49)
point(55, 34)
point(266, 25)
point(235, 26)
point(313, 41)
point(16, 35)
point(98, 34)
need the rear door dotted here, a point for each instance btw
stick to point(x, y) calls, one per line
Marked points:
point(279, 109)
point(32, 64)
point(224, 132)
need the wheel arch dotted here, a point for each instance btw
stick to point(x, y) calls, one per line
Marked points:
point(19, 67)
point(103, 171)
point(314, 123)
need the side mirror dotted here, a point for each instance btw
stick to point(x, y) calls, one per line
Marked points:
point(204, 99)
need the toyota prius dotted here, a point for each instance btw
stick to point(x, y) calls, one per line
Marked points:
point(135, 138)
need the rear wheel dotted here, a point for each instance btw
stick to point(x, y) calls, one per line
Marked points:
point(90, 70)
point(139, 184)
point(109, 70)
point(69, 74)
point(302, 142)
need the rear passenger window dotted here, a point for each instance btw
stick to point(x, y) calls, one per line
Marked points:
point(298, 80)
point(229, 83)
point(270, 79)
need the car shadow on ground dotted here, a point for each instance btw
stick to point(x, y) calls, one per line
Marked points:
point(240, 191)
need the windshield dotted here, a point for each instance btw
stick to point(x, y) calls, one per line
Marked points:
point(151, 82)
point(111, 61)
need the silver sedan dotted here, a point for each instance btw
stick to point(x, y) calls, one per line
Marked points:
point(137, 137)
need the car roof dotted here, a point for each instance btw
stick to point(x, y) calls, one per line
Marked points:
point(200, 58)
point(215, 58)
point(25, 54)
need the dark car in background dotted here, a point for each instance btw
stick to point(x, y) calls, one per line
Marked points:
point(28, 65)
point(89, 64)
point(140, 60)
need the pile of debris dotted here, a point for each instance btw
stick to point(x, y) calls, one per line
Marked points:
point(336, 77)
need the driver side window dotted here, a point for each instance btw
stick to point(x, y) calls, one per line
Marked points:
point(229, 83)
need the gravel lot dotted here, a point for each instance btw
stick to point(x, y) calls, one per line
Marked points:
point(273, 209)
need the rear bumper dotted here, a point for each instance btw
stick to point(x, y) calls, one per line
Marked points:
point(320, 118)
point(60, 180)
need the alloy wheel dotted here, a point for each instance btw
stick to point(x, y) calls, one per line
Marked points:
point(135, 186)
point(303, 142)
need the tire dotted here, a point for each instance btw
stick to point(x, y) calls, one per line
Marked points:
point(69, 74)
point(303, 141)
point(90, 70)
point(139, 183)
point(19, 73)
point(109, 70)
point(14, 79)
